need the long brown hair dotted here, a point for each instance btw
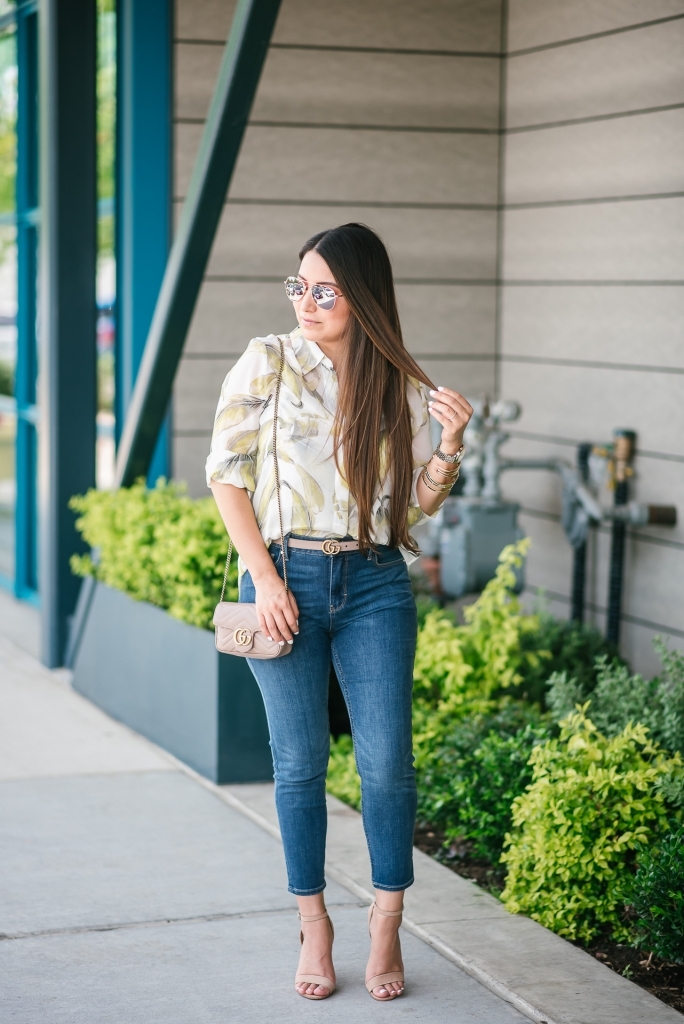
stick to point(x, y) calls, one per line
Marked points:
point(373, 399)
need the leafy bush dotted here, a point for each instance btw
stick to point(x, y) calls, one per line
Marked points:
point(619, 698)
point(460, 675)
point(343, 779)
point(593, 802)
point(156, 545)
point(657, 898)
point(6, 378)
point(572, 647)
point(485, 786)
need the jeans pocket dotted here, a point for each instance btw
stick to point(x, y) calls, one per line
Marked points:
point(388, 559)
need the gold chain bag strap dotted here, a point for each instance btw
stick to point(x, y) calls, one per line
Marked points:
point(237, 625)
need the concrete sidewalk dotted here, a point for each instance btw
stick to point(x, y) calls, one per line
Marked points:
point(132, 892)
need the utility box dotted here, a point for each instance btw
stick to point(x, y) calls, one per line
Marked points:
point(473, 534)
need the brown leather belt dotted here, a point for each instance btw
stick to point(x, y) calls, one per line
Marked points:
point(328, 547)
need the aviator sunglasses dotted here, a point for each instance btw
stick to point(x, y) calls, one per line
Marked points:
point(323, 296)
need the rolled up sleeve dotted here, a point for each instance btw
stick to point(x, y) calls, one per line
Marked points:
point(235, 439)
point(422, 449)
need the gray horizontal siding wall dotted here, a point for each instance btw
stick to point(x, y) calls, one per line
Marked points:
point(385, 112)
point(555, 276)
point(593, 284)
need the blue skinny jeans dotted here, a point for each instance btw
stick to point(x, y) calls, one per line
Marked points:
point(358, 610)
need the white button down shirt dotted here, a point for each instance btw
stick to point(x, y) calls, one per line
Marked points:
point(315, 496)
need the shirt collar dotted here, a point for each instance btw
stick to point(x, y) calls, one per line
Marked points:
point(308, 354)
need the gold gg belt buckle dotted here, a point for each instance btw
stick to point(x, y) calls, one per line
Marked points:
point(331, 547)
point(242, 637)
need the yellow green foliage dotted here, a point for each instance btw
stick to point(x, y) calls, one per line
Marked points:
point(592, 804)
point(343, 779)
point(459, 670)
point(156, 545)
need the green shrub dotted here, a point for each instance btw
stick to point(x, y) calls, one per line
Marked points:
point(572, 647)
point(156, 545)
point(657, 898)
point(6, 378)
point(485, 786)
point(343, 779)
point(593, 802)
point(619, 697)
point(460, 675)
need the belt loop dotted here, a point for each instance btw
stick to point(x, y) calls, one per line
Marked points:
point(286, 551)
point(369, 555)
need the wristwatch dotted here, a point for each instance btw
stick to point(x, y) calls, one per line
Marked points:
point(453, 459)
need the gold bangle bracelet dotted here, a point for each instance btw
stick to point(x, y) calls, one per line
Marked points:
point(436, 486)
point(448, 474)
point(447, 483)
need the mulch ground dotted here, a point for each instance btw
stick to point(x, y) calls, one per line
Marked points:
point(663, 980)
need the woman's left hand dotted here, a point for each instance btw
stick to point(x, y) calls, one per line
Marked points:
point(453, 412)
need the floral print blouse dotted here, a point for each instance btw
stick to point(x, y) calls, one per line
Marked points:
point(315, 496)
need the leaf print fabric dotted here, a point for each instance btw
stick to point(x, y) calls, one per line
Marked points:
point(315, 497)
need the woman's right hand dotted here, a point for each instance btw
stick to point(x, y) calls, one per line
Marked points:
point(276, 608)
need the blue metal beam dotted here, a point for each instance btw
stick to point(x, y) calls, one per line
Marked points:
point(233, 97)
point(143, 190)
point(26, 546)
point(68, 394)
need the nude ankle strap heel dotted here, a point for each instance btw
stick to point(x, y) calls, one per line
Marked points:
point(383, 979)
point(315, 979)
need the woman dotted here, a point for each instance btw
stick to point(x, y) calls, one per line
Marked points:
point(357, 471)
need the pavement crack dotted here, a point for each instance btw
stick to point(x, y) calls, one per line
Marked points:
point(115, 926)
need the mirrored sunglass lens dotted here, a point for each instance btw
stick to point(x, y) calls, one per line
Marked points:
point(294, 289)
point(323, 297)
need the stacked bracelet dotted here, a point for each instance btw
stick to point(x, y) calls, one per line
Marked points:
point(433, 485)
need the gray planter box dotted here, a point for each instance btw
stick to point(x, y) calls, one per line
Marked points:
point(166, 680)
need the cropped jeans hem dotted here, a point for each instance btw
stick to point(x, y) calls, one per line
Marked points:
point(393, 888)
point(306, 892)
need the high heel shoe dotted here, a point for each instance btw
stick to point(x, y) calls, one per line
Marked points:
point(315, 979)
point(384, 979)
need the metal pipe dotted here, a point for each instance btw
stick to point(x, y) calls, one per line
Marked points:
point(623, 451)
point(579, 552)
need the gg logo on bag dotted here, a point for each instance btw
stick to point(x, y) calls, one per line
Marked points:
point(243, 637)
point(331, 547)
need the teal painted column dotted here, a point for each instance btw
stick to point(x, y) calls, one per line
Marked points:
point(143, 191)
point(68, 223)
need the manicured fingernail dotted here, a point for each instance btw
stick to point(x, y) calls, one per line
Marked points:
point(433, 392)
point(441, 389)
point(271, 639)
point(281, 643)
point(290, 641)
point(296, 632)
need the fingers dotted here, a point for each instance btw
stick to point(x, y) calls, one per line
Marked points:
point(278, 617)
point(450, 409)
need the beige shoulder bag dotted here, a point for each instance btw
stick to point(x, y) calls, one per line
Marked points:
point(237, 625)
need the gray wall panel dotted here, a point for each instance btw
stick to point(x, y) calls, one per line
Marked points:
point(339, 87)
point(364, 166)
point(471, 25)
point(638, 326)
point(597, 77)
point(540, 22)
point(581, 403)
point(625, 157)
point(628, 241)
